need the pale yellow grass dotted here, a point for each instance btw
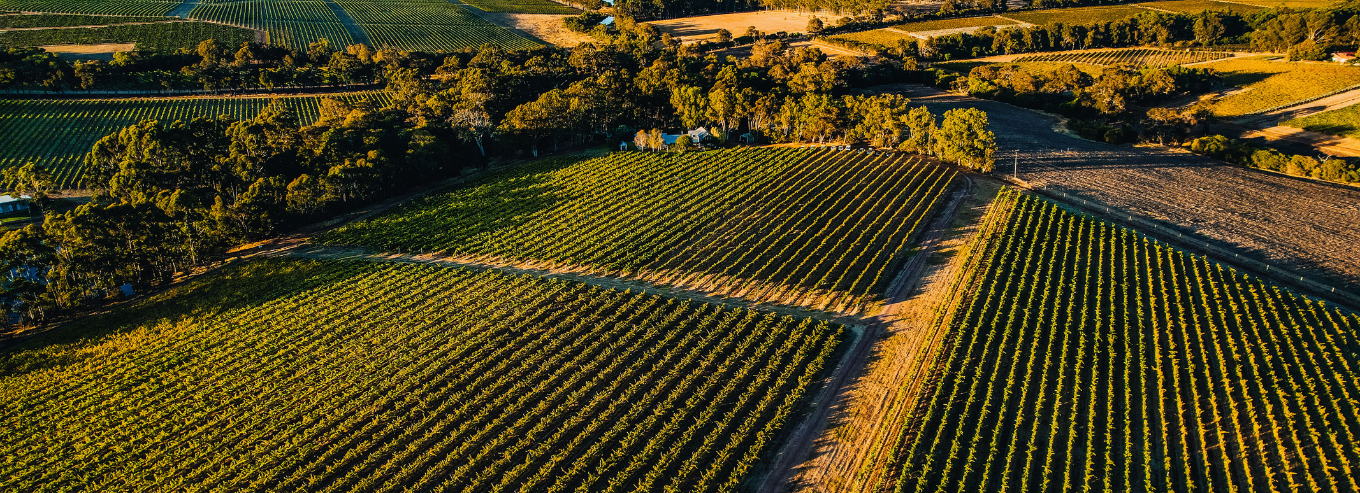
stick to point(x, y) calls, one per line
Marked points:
point(89, 49)
point(705, 27)
point(1268, 82)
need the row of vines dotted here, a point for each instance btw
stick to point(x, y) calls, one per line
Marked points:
point(824, 229)
point(1083, 356)
point(340, 376)
point(1137, 56)
point(58, 133)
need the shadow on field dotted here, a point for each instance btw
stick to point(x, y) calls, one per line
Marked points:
point(144, 323)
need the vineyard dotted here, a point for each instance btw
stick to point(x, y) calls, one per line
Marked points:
point(1344, 122)
point(164, 36)
point(11, 21)
point(95, 7)
point(291, 23)
point(1271, 83)
point(824, 229)
point(1083, 356)
point(1142, 57)
point(428, 25)
point(522, 6)
point(57, 134)
point(1076, 16)
point(1196, 6)
point(338, 376)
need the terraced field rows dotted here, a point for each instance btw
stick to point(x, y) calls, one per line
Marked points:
point(291, 23)
point(824, 229)
point(1134, 56)
point(428, 25)
point(58, 133)
point(97, 7)
point(1085, 356)
point(337, 376)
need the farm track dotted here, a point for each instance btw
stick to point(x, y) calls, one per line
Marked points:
point(818, 458)
point(1297, 224)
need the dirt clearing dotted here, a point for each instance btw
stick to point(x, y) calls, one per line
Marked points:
point(547, 27)
point(694, 29)
point(89, 52)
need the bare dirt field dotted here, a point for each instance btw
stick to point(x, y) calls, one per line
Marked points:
point(1297, 224)
point(705, 27)
point(88, 52)
point(546, 27)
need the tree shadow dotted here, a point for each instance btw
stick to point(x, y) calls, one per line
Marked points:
point(146, 320)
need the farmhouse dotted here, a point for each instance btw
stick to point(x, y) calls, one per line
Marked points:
point(1343, 56)
point(10, 204)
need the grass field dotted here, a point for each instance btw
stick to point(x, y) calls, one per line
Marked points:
point(350, 375)
point(1134, 56)
point(824, 229)
point(1196, 6)
point(1344, 122)
point(1083, 356)
point(96, 7)
point(522, 6)
point(166, 36)
point(1270, 83)
point(58, 134)
point(1081, 15)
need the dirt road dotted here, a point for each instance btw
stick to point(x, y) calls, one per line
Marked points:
point(1302, 225)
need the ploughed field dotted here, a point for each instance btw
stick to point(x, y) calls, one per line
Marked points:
point(1302, 225)
point(58, 133)
point(825, 229)
point(350, 375)
point(1081, 355)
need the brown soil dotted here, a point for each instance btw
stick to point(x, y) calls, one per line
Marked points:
point(705, 27)
point(1307, 226)
point(89, 49)
point(546, 27)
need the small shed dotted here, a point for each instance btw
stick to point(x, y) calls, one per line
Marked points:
point(623, 146)
point(8, 203)
point(746, 138)
point(700, 134)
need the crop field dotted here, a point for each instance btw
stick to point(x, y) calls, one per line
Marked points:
point(339, 376)
point(1134, 56)
point(1081, 15)
point(96, 7)
point(1344, 122)
point(10, 21)
point(1083, 356)
point(522, 6)
point(428, 25)
point(825, 229)
point(1269, 84)
point(1035, 68)
point(943, 24)
point(881, 37)
point(291, 23)
point(165, 36)
point(58, 134)
point(1196, 6)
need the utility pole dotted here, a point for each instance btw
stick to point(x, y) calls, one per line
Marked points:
point(1016, 174)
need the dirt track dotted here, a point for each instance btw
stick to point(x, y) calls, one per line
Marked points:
point(1303, 225)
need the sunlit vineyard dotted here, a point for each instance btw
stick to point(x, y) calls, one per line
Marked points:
point(427, 25)
point(97, 7)
point(343, 376)
point(162, 36)
point(1083, 356)
point(292, 23)
point(56, 20)
point(1135, 56)
point(522, 6)
point(58, 133)
point(816, 228)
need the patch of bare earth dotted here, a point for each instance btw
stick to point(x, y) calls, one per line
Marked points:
point(547, 27)
point(866, 421)
point(89, 49)
point(705, 27)
point(1306, 226)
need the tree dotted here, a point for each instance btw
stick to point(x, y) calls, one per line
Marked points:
point(690, 104)
point(641, 140)
point(814, 25)
point(963, 138)
point(31, 180)
point(1209, 27)
point(306, 195)
point(724, 36)
point(921, 131)
point(684, 142)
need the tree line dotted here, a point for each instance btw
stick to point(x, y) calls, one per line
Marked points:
point(169, 196)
